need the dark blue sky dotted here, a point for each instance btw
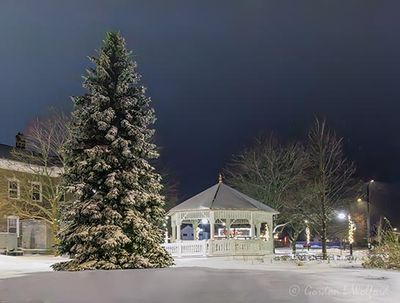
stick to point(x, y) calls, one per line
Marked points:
point(219, 72)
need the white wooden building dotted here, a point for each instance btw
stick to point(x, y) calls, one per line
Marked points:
point(224, 221)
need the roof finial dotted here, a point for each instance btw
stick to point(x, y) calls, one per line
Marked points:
point(220, 178)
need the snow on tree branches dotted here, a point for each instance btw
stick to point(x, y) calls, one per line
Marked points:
point(115, 219)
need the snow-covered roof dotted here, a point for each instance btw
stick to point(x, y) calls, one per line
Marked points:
point(222, 196)
point(10, 162)
point(5, 151)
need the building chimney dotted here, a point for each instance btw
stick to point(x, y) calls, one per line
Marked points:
point(20, 141)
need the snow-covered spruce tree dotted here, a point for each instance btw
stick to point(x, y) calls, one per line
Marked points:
point(115, 221)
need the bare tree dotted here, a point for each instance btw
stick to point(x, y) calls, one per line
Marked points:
point(331, 184)
point(38, 166)
point(294, 211)
point(274, 174)
point(170, 187)
point(268, 170)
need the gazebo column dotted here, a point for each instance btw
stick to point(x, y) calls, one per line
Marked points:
point(212, 225)
point(270, 224)
point(166, 235)
point(271, 228)
point(228, 227)
point(252, 227)
point(258, 230)
point(195, 226)
point(173, 228)
point(178, 230)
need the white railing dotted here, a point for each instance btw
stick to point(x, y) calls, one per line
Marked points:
point(187, 248)
point(226, 247)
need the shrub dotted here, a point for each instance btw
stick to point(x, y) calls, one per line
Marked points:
point(386, 254)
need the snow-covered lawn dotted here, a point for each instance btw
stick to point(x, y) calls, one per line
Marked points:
point(266, 263)
point(17, 266)
point(313, 281)
point(200, 280)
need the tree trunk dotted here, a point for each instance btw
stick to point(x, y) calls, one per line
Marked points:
point(54, 229)
point(323, 240)
point(323, 225)
point(293, 246)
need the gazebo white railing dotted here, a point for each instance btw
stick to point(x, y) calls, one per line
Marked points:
point(229, 247)
point(187, 248)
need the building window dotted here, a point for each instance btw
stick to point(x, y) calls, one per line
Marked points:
point(13, 189)
point(13, 225)
point(36, 191)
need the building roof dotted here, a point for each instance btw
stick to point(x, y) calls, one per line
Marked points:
point(222, 196)
point(5, 151)
point(28, 164)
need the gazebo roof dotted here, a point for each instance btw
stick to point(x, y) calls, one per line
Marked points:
point(222, 196)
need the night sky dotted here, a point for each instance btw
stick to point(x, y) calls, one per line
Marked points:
point(219, 73)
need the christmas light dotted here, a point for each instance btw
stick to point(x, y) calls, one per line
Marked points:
point(352, 228)
point(266, 232)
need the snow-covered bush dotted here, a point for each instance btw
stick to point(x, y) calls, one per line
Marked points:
point(386, 254)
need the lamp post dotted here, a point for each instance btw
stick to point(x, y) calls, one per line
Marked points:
point(369, 214)
point(368, 201)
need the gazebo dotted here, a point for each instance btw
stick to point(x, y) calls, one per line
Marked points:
point(224, 222)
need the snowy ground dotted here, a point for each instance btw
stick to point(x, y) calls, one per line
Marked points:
point(199, 280)
point(19, 266)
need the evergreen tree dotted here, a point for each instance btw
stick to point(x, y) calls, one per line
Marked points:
point(115, 221)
